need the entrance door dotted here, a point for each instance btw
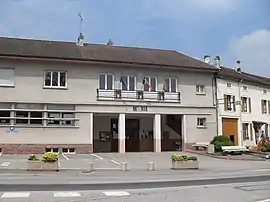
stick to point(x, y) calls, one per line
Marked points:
point(132, 135)
point(230, 129)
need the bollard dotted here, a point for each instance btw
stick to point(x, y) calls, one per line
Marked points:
point(91, 166)
point(151, 166)
point(124, 166)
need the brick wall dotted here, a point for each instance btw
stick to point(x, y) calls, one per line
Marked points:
point(41, 148)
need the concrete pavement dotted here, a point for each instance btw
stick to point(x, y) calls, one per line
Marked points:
point(243, 192)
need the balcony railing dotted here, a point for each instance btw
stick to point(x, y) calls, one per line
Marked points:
point(138, 95)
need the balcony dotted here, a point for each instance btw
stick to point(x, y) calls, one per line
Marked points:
point(139, 95)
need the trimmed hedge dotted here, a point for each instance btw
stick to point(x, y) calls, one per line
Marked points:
point(49, 157)
point(219, 141)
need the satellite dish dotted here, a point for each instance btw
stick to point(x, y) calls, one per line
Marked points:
point(207, 59)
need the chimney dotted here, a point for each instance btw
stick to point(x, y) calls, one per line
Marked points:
point(110, 42)
point(207, 59)
point(217, 61)
point(238, 69)
point(80, 39)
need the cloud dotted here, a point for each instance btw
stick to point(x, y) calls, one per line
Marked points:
point(253, 50)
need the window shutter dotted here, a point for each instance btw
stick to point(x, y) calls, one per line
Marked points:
point(243, 131)
point(266, 129)
point(225, 102)
point(234, 108)
point(249, 104)
point(262, 106)
point(251, 131)
point(268, 107)
point(242, 104)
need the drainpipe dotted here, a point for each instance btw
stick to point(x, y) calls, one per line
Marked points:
point(215, 98)
point(240, 112)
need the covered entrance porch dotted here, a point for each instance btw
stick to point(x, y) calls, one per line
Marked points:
point(136, 133)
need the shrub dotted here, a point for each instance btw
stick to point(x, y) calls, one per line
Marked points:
point(219, 141)
point(192, 158)
point(49, 157)
point(176, 157)
point(32, 157)
point(267, 147)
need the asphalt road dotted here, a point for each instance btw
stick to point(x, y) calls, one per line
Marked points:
point(243, 192)
point(138, 185)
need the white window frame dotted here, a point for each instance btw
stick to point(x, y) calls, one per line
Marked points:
point(200, 89)
point(12, 84)
point(106, 86)
point(68, 152)
point(265, 107)
point(128, 87)
point(170, 84)
point(149, 77)
point(230, 103)
point(204, 122)
point(61, 119)
point(58, 82)
point(246, 109)
point(247, 130)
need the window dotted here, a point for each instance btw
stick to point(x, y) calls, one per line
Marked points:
point(246, 104)
point(24, 117)
point(228, 85)
point(264, 106)
point(170, 85)
point(61, 118)
point(7, 77)
point(4, 117)
point(245, 131)
point(106, 81)
point(150, 83)
point(265, 91)
point(200, 89)
point(245, 88)
point(68, 150)
point(55, 150)
point(201, 122)
point(128, 83)
point(55, 79)
point(229, 103)
point(26, 114)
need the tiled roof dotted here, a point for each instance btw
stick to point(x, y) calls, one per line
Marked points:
point(95, 52)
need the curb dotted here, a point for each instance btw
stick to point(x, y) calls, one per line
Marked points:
point(225, 157)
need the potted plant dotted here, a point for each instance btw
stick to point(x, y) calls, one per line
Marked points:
point(33, 163)
point(48, 162)
point(180, 162)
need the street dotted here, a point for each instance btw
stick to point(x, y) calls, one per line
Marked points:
point(244, 192)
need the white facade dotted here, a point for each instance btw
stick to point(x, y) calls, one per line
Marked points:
point(246, 111)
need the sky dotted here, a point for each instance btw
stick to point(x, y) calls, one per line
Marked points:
point(232, 29)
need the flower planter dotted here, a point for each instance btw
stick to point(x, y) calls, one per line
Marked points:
point(42, 166)
point(180, 165)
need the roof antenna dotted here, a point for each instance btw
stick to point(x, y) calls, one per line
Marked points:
point(81, 36)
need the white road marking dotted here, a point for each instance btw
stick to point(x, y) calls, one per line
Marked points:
point(15, 195)
point(116, 193)
point(65, 157)
point(99, 157)
point(265, 200)
point(66, 194)
point(259, 170)
point(115, 162)
point(5, 164)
